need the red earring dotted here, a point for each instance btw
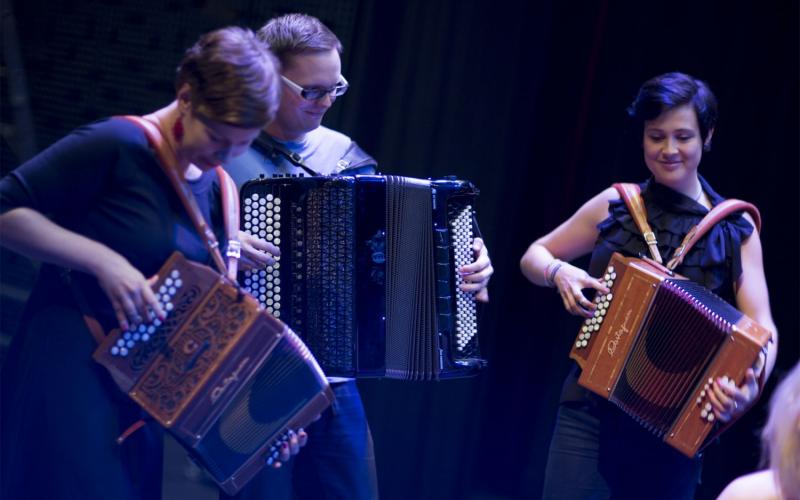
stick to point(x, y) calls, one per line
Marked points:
point(177, 130)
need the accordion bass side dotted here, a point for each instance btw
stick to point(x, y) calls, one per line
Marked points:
point(367, 272)
point(655, 344)
point(220, 374)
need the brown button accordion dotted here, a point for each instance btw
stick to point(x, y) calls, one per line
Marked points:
point(220, 374)
point(367, 274)
point(654, 345)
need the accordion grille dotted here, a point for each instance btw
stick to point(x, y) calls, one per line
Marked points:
point(684, 328)
point(330, 263)
point(282, 387)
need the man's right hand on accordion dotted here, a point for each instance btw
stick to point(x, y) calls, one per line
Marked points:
point(476, 275)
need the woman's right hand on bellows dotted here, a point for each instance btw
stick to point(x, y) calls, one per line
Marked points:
point(571, 281)
point(128, 290)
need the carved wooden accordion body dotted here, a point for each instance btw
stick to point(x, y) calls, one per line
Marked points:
point(367, 272)
point(223, 376)
point(655, 343)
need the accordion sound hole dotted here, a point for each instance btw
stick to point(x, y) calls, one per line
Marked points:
point(261, 408)
point(658, 340)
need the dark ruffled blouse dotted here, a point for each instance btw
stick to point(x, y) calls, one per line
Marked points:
point(714, 261)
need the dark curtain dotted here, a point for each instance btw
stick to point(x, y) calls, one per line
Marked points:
point(527, 100)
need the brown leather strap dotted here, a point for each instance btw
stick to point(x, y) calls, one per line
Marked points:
point(715, 215)
point(169, 163)
point(230, 212)
point(633, 200)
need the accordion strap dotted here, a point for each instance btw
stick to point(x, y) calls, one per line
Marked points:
point(168, 161)
point(633, 200)
point(230, 212)
point(715, 215)
point(273, 148)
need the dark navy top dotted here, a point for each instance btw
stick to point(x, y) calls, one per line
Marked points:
point(104, 182)
point(60, 412)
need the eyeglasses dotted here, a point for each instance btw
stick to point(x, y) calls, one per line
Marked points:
point(316, 93)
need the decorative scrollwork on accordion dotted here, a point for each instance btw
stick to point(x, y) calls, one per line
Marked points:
point(223, 376)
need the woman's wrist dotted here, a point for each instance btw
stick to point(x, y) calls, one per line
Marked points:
point(550, 272)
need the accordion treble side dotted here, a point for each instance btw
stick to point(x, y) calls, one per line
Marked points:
point(220, 374)
point(655, 344)
point(367, 272)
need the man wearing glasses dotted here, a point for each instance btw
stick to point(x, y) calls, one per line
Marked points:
point(338, 461)
point(295, 142)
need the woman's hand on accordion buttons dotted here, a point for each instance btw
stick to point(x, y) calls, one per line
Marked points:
point(256, 252)
point(570, 282)
point(476, 275)
point(130, 294)
point(730, 401)
point(291, 447)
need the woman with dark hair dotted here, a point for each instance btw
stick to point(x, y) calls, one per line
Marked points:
point(98, 208)
point(597, 451)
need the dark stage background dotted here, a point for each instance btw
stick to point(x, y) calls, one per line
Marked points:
point(524, 98)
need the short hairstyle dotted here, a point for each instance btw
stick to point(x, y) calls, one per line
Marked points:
point(294, 34)
point(671, 90)
point(781, 436)
point(233, 78)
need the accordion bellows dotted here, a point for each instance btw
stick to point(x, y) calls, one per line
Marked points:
point(223, 376)
point(367, 275)
point(654, 345)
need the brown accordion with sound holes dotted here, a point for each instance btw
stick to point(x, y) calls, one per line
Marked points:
point(656, 342)
point(367, 275)
point(225, 378)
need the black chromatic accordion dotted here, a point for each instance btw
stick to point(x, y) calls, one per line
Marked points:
point(220, 374)
point(367, 275)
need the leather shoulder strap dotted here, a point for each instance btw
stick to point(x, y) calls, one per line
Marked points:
point(715, 215)
point(230, 214)
point(633, 200)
